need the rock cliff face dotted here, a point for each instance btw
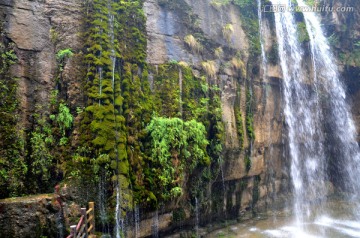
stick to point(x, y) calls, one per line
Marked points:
point(30, 217)
point(344, 34)
point(39, 29)
point(254, 169)
point(166, 32)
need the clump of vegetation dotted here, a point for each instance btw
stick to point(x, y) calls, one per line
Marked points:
point(219, 53)
point(183, 64)
point(177, 148)
point(303, 35)
point(54, 36)
point(238, 64)
point(219, 3)
point(239, 126)
point(247, 161)
point(193, 43)
point(64, 119)
point(41, 141)
point(13, 167)
point(61, 57)
point(249, 116)
point(227, 31)
point(210, 68)
point(63, 54)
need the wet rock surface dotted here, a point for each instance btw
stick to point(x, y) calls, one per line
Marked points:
point(29, 217)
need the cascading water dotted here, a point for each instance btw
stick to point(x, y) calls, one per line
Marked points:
point(346, 149)
point(155, 225)
point(197, 220)
point(262, 46)
point(119, 226)
point(321, 135)
point(303, 117)
point(316, 114)
point(119, 223)
point(102, 203)
point(137, 221)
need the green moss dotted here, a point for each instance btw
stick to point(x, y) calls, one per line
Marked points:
point(239, 126)
point(303, 35)
point(178, 215)
point(249, 116)
point(13, 167)
point(247, 161)
point(250, 23)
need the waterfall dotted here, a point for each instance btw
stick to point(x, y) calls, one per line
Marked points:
point(303, 117)
point(339, 116)
point(321, 132)
point(262, 46)
point(102, 202)
point(137, 221)
point(155, 225)
point(197, 220)
point(119, 226)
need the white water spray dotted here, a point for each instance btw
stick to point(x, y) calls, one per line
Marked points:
point(302, 113)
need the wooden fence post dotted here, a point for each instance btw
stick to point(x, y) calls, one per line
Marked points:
point(73, 231)
point(92, 217)
point(83, 213)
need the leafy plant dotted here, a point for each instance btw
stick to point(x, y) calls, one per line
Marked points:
point(63, 54)
point(177, 148)
point(53, 97)
point(64, 118)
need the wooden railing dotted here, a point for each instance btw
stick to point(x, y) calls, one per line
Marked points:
point(86, 226)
